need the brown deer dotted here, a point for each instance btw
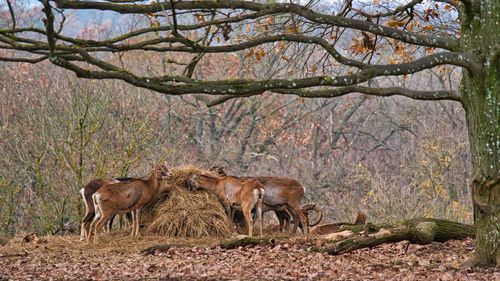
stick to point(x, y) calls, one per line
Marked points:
point(86, 193)
point(235, 193)
point(328, 228)
point(284, 217)
point(281, 194)
point(128, 196)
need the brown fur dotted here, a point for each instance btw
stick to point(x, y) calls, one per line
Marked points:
point(282, 194)
point(328, 228)
point(86, 193)
point(360, 218)
point(234, 193)
point(284, 217)
point(123, 197)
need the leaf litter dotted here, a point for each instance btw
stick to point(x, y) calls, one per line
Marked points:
point(118, 257)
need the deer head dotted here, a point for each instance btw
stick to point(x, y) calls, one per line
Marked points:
point(200, 181)
point(162, 172)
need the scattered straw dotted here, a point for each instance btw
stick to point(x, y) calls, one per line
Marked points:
point(177, 212)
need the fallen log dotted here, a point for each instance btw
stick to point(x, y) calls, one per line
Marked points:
point(416, 231)
point(243, 240)
point(161, 248)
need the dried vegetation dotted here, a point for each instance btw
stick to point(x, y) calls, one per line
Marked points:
point(177, 212)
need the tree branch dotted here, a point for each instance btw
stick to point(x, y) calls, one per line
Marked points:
point(33, 61)
point(12, 15)
point(382, 92)
point(405, 36)
point(396, 11)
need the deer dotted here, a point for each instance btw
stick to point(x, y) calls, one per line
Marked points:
point(284, 217)
point(235, 194)
point(86, 193)
point(327, 228)
point(281, 195)
point(123, 197)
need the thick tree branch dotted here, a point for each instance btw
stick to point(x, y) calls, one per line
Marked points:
point(176, 85)
point(33, 61)
point(69, 50)
point(382, 92)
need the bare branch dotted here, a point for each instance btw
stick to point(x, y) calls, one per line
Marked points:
point(33, 61)
point(408, 37)
point(12, 15)
point(49, 28)
point(396, 11)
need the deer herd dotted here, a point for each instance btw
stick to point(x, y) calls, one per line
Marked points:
point(106, 198)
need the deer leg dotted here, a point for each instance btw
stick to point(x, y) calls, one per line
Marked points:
point(288, 218)
point(109, 225)
point(91, 228)
point(82, 231)
point(233, 210)
point(227, 207)
point(247, 213)
point(120, 221)
point(261, 219)
point(137, 221)
point(299, 217)
point(102, 222)
point(128, 217)
point(280, 219)
point(86, 221)
point(133, 223)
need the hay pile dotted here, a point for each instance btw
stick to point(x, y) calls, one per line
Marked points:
point(177, 212)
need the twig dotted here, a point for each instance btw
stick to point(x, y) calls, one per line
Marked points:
point(15, 255)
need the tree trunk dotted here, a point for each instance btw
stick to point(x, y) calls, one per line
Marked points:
point(481, 99)
point(417, 231)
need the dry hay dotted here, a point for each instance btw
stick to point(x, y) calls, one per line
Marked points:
point(177, 212)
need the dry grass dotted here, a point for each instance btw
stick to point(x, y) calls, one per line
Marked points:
point(115, 243)
point(177, 212)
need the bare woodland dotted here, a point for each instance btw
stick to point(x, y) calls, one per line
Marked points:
point(385, 107)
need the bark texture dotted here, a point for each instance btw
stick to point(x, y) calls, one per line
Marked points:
point(481, 99)
point(417, 231)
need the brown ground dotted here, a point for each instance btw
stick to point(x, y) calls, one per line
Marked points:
point(67, 258)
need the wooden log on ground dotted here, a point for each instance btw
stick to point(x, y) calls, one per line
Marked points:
point(417, 231)
point(160, 248)
point(243, 240)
